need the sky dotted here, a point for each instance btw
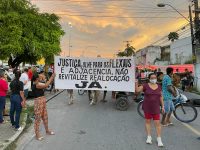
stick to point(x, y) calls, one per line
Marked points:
point(101, 27)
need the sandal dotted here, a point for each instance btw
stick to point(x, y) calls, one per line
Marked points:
point(165, 125)
point(50, 133)
point(170, 124)
point(39, 138)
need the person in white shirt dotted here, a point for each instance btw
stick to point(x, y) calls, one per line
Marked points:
point(24, 79)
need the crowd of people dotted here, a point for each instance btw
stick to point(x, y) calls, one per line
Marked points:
point(158, 92)
point(19, 87)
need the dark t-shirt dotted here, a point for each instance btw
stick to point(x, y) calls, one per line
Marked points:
point(152, 97)
point(37, 92)
point(16, 87)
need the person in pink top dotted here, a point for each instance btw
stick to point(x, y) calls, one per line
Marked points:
point(3, 91)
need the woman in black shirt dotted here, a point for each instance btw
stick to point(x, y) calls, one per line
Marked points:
point(17, 100)
point(40, 109)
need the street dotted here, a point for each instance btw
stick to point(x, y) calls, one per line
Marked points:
point(102, 127)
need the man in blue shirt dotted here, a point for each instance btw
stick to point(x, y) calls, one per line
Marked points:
point(168, 93)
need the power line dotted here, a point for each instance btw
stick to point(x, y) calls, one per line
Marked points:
point(132, 7)
point(86, 0)
point(100, 12)
point(163, 38)
point(92, 16)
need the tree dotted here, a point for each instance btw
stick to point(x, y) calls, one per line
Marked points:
point(173, 36)
point(27, 35)
point(129, 51)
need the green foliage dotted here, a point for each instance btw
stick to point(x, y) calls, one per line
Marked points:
point(173, 36)
point(27, 34)
point(129, 51)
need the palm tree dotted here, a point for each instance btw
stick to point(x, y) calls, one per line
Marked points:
point(173, 36)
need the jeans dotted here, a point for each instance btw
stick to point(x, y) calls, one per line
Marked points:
point(26, 93)
point(2, 104)
point(15, 110)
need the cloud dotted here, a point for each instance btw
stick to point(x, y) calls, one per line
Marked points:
point(108, 33)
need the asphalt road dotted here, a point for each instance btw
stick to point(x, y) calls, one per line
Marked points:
point(102, 127)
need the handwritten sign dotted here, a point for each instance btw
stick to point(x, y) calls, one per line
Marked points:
point(95, 73)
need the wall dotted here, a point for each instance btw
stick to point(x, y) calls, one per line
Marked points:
point(148, 55)
point(197, 76)
point(181, 51)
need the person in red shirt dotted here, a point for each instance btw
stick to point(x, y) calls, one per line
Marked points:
point(3, 91)
point(30, 73)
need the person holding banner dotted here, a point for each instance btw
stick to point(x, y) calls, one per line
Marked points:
point(94, 96)
point(152, 101)
point(71, 96)
point(40, 109)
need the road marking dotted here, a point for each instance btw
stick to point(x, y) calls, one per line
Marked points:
point(195, 131)
point(192, 129)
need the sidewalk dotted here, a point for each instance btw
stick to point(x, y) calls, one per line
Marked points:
point(6, 132)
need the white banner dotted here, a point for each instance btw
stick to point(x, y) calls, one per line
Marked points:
point(95, 73)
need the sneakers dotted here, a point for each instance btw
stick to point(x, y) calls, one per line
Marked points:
point(149, 140)
point(71, 101)
point(92, 103)
point(18, 129)
point(159, 141)
point(160, 144)
point(103, 101)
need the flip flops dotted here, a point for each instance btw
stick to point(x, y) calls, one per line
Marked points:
point(39, 138)
point(50, 133)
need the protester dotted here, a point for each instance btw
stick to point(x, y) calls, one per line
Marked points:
point(184, 82)
point(71, 96)
point(4, 110)
point(30, 73)
point(104, 97)
point(160, 77)
point(3, 91)
point(191, 80)
point(17, 100)
point(151, 106)
point(168, 93)
point(176, 80)
point(42, 77)
point(24, 78)
point(137, 73)
point(94, 96)
point(50, 71)
point(40, 109)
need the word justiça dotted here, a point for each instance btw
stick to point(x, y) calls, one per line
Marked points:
point(112, 63)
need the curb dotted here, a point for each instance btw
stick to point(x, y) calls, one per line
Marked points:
point(16, 135)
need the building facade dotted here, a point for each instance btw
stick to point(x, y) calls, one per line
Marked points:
point(148, 55)
point(181, 51)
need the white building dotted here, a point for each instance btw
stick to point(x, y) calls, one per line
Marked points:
point(148, 55)
point(181, 51)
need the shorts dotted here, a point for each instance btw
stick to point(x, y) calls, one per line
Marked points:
point(169, 106)
point(152, 116)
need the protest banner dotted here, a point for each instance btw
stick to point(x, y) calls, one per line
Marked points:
point(95, 73)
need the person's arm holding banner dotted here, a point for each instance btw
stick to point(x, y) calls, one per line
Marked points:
point(43, 86)
point(138, 88)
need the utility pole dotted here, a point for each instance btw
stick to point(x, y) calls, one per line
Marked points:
point(197, 27)
point(192, 35)
point(128, 43)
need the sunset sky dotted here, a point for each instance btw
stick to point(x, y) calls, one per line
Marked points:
point(102, 26)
